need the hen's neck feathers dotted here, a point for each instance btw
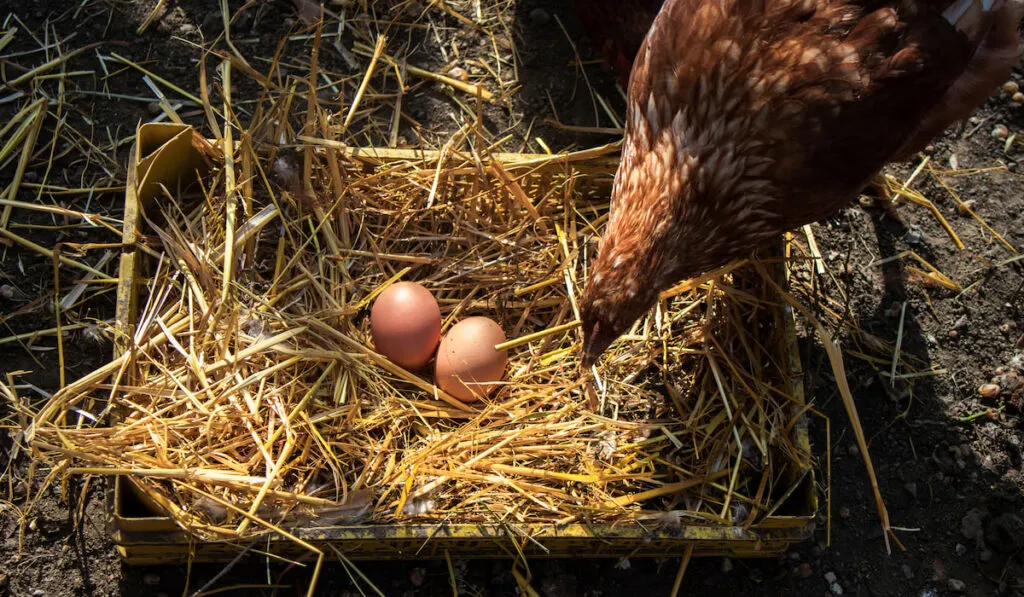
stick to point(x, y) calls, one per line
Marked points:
point(748, 118)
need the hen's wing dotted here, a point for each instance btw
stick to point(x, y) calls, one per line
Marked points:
point(617, 28)
point(786, 108)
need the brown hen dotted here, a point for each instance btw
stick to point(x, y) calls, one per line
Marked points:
point(748, 118)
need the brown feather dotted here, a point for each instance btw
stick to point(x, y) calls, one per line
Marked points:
point(748, 118)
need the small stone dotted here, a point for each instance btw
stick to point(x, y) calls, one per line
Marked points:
point(1018, 98)
point(835, 588)
point(186, 28)
point(1011, 87)
point(153, 108)
point(726, 565)
point(1000, 132)
point(971, 525)
point(540, 16)
point(844, 512)
point(459, 73)
point(803, 570)
point(989, 390)
point(7, 292)
point(960, 549)
point(911, 488)
point(866, 202)
point(38, 593)
point(957, 586)
point(908, 573)
point(853, 450)
point(965, 208)
point(830, 577)
point(961, 322)
point(1005, 533)
point(914, 237)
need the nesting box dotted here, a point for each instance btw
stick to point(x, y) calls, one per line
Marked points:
point(691, 433)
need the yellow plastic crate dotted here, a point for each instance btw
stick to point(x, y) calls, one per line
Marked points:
point(144, 534)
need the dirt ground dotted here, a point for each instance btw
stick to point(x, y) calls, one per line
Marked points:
point(950, 474)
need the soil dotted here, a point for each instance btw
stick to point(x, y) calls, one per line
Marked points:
point(950, 476)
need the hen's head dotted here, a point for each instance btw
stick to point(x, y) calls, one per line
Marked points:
point(692, 191)
point(651, 241)
point(639, 254)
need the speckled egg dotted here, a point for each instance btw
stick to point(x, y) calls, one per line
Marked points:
point(467, 364)
point(405, 323)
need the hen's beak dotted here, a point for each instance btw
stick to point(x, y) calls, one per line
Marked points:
point(593, 345)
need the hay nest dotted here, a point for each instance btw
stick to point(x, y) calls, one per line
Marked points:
point(252, 401)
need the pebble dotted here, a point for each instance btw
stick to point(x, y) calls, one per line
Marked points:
point(970, 524)
point(989, 390)
point(960, 549)
point(830, 577)
point(1011, 87)
point(803, 571)
point(1018, 98)
point(966, 207)
point(844, 512)
point(911, 488)
point(38, 593)
point(459, 73)
point(151, 579)
point(853, 450)
point(1006, 533)
point(540, 16)
point(835, 588)
point(726, 565)
point(957, 586)
point(1000, 131)
point(186, 28)
point(961, 322)
point(914, 237)
point(908, 573)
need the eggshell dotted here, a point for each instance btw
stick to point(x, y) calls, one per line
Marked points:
point(405, 322)
point(467, 361)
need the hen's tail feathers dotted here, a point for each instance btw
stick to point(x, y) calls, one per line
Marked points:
point(996, 25)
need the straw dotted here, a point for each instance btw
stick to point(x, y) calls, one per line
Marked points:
point(249, 379)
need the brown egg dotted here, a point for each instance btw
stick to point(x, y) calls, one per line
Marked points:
point(405, 322)
point(467, 364)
